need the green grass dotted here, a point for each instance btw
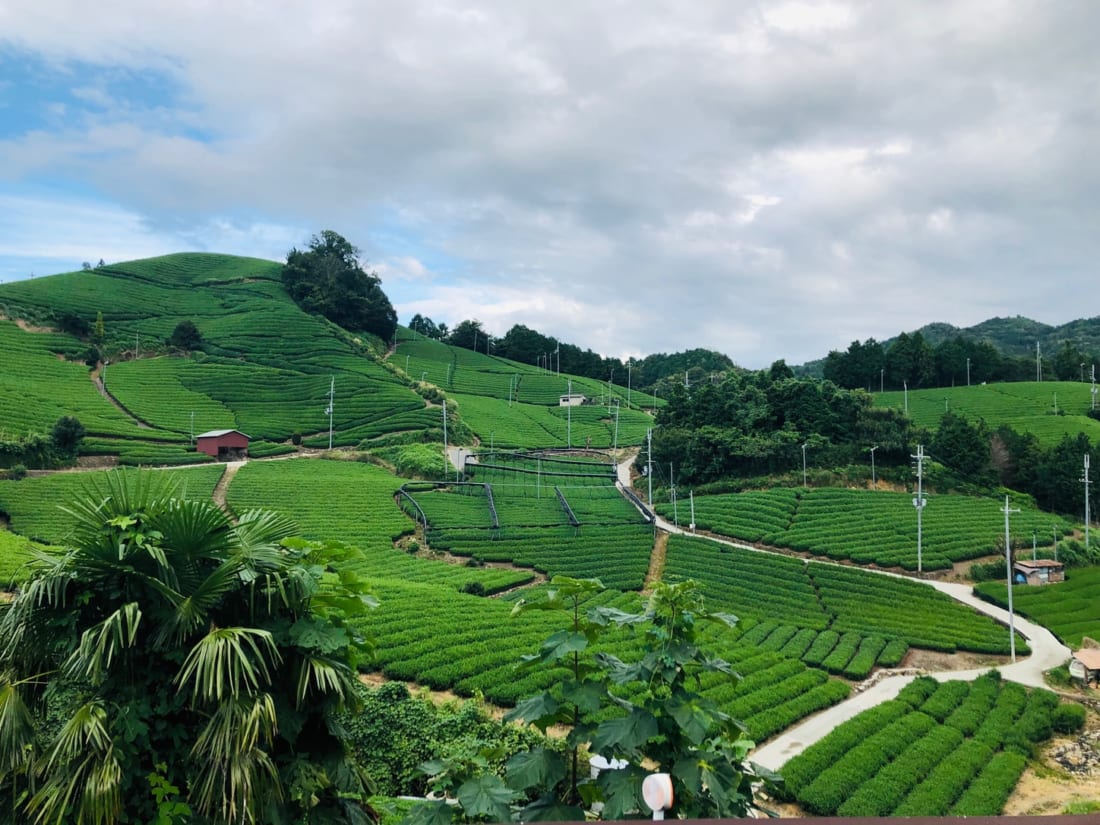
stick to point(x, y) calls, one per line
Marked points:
point(16, 554)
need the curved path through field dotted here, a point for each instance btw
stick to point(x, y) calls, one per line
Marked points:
point(1046, 652)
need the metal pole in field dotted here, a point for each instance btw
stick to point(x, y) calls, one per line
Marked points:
point(649, 465)
point(692, 494)
point(616, 444)
point(445, 459)
point(192, 426)
point(804, 464)
point(1085, 479)
point(919, 502)
point(569, 414)
point(881, 378)
point(968, 372)
point(331, 393)
point(1008, 565)
point(1054, 536)
point(873, 481)
point(1038, 363)
point(406, 363)
point(672, 486)
point(905, 384)
point(628, 368)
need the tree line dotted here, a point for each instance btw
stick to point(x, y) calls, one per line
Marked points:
point(528, 346)
point(911, 361)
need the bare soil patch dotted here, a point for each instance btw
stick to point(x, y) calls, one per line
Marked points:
point(1067, 772)
point(933, 661)
point(656, 561)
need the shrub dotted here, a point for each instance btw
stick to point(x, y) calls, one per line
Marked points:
point(473, 588)
point(296, 439)
point(1068, 718)
point(18, 472)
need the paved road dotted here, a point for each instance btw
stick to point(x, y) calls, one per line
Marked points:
point(1046, 652)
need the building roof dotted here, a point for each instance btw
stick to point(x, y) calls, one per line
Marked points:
point(1089, 658)
point(220, 433)
point(1040, 563)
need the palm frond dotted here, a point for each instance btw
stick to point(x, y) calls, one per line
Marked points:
point(258, 532)
point(318, 674)
point(193, 610)
point(235, 773)
point(16, 729)
point(82, 772)
point(228, 662)
point(101, 642)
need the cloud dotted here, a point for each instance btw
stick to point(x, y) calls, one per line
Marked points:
point(771, 180)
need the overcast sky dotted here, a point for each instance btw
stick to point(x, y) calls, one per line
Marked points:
point(767, 179)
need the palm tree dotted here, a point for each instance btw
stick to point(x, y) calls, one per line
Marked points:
point(176, 665)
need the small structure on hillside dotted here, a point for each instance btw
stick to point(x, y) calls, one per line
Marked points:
point(1085, 665)
point(1040, 571)
point(573, 399)
point(224, 445)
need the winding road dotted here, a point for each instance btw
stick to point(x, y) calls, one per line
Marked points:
point(1046, 652)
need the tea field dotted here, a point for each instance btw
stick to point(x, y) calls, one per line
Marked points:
point(870, 526)
point(939, 749)
point(1071, 609)
point(1049, 409)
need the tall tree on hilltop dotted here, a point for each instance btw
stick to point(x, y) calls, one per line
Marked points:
point(328, 279)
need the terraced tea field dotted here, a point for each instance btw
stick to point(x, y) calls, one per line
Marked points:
point(1071, 609)
point(950, 749)
point(1026, 406)
point(870, 526)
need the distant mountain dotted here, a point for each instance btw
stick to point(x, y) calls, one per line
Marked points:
point(1015, 337)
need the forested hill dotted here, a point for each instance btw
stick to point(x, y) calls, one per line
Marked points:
point(1017, 336)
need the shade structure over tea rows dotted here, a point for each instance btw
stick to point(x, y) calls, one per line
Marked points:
point(557, 513)
point(870, 526)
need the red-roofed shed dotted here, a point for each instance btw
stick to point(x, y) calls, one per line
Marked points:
point(224, 445)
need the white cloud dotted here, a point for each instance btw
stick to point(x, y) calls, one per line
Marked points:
point(768, 180)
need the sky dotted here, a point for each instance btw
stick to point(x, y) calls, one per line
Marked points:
point(766, 179)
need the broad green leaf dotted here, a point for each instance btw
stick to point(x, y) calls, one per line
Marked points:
point(538, 710)
point(693, 720)
point(486, 796)
point(562, 644)
point(625, 733)
point(551, 809)
point(430, 813)
point(538, 768)
point(318, 634)
point(622, 792)
point(587, 696)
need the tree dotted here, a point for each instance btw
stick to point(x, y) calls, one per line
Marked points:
point(469, 335)
point(195, 666)
point(98, 330)
point(962, 447)
point(648, 713)
point(328, 280)
point(186, 336)
point(67, 434)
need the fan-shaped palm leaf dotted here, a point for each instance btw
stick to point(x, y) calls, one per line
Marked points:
point(228, 662)
point(100, 643)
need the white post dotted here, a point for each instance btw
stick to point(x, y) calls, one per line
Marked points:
point(192, 426)
point(331, 393)
point(919, 503)
point(905, 384)
point(569, 414)
point(873, 481)
point(445, 458)
point(1085, 479)
point(1008, 565)
point(692, 494)
point(804, 464)
point(649, 459)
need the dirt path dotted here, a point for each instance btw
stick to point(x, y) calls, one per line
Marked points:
point(97, 380)
point(656, 562)
point(220, 489)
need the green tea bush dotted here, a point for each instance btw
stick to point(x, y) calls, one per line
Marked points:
point(1068, 718)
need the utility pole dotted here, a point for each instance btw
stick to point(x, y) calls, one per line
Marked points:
point(617, 405)
point(804, 463)
point(1093, 386)
point(1085, 480)
point(628, 368)
point(192, 426)
point(649, 464)
point(1054, 538)
point(691, 494)
point(445, 458)
point(569, 415)
point(919, 502)
point(1038, 363)
point(968, 372)
point(873, 480)
point(905, 385)
point(1008, 565)
point(672, 489)
point(331, 393)
point(881, 378)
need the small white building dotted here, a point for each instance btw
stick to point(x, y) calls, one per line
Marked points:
point(572, 400)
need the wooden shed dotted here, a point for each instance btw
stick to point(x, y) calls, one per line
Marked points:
point(224, 445)
point(1040, 571)
point(1085, 665)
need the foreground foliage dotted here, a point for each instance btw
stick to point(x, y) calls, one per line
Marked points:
point(646, 712)
point(174, 666)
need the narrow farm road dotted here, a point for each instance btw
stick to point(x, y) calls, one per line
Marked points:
point(1046, 652)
